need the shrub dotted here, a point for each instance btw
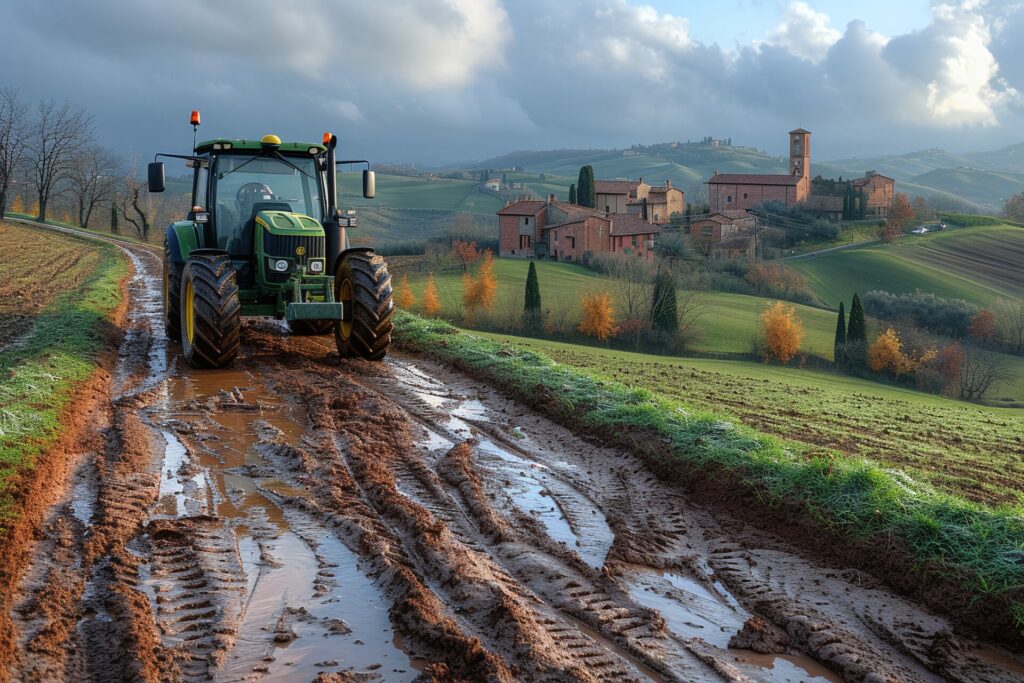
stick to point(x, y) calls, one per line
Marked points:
point(951, 317)
point(598, 316)
point(431, 300)
point(783, 332)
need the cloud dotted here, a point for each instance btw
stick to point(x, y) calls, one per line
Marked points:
point(436, 80)
point(804, 32)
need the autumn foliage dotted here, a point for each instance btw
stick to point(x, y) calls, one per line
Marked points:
point(598, 316)
point(900, 215)
point(783, 332)
point(406, 299)
point(886, 354)
point(480, 291)
point(431, 300)
point(466, 252)
point(983, 325)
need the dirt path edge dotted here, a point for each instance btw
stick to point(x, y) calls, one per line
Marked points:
point(38, 490)
point(721, 490)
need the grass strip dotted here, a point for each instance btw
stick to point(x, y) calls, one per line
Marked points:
point(979, 548)
point(38, 377)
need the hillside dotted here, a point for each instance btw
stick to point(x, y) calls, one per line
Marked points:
point(978, 181)
point(976, 264)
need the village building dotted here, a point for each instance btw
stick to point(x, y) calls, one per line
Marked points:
point(659, 204)
point(719, 226)
point(825, 206)
point(878, 192)
point(732, 191)
point(614, 196)
point(520, 227)
point(493, 184)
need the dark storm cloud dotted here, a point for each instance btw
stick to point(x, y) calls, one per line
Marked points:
point(437, 80)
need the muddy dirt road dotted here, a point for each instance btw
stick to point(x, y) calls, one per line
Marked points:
point(298, 519)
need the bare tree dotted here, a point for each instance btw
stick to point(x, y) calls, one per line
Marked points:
point(136, 203)
point(979, 371)
point(59, 133)
point(631, 277)
point(92, 179)
point(13, 135)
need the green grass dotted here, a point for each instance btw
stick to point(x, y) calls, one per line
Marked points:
point(407, 192)
point(960, 448)
point(728, 322)
point(38, 377)
point(976, 264)
point(976, 546)
point(726, 326)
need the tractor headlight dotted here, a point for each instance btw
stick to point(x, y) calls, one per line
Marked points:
point(280, 265)
point(316, 266)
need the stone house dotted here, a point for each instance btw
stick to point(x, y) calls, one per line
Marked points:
point(878, 191)
point(720, 226)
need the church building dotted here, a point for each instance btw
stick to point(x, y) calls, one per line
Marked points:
point(741, 191)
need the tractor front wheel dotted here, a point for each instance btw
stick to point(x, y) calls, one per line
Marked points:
point(363, 285)
point(172, 296)
point(308, 328)
point(211, 321)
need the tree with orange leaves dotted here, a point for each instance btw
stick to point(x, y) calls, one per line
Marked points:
point(899, 216)
point(466, 253)
point(431, 300)
point(479, 291)
point(783, 332)
point(406, 299)
point(598, 316)
point(886, 354)
point(983, 325)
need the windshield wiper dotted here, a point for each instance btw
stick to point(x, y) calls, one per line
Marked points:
point(282, 158)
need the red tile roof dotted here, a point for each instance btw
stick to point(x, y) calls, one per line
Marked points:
point(632, 225)
point(615, 186)
point(752, 179)
point(528, 207)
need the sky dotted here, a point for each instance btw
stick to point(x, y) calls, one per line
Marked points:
point(439, 81)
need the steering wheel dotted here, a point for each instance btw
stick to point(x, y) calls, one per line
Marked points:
point(250, 193)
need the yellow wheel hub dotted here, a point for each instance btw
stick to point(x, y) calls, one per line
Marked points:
point(190, 311)
point(345, 296)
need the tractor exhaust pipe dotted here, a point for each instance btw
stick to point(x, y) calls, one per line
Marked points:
point(335, 237)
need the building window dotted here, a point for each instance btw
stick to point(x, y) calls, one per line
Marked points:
point(744, 195)
point(728, 199)
point(572, 242)
point(527, 219)
point(634, 240)
point(607, 209)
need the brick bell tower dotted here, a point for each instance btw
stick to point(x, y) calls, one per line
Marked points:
point(800, 161)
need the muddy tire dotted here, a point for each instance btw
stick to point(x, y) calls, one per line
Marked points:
point(211, 318)
point(172, 296)
point(363, 284)
point(308, 328)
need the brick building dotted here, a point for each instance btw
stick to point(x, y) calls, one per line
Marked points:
point(731, 191)
point(520, 227)
point(614, 196)
point(878, 191)
point(637, 198)
point(720, 226)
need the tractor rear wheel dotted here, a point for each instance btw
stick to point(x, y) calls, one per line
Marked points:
point(363, 285)
point(211, 318)
point(306, 328)
point(172, 296)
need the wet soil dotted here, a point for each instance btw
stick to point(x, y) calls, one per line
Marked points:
point(297, 518)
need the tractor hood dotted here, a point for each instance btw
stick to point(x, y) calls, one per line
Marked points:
point(287, 223)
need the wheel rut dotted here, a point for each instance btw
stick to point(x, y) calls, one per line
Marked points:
point(294, 517)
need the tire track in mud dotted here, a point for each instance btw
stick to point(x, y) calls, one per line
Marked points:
point(295, 518)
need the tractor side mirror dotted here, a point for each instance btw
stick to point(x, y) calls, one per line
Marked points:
point(369, 184)
point(156, 176)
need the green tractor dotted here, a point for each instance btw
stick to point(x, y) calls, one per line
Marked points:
point(265, 237)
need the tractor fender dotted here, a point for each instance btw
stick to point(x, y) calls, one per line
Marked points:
point(353, 250)
point(182, 240)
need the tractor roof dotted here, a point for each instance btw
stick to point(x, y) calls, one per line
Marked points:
point(255, 145)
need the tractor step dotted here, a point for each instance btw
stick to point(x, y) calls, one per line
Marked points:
point(314, 310)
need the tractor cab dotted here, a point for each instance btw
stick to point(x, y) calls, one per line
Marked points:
point(265, 237)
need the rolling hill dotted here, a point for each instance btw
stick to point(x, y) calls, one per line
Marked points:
point(976, 264)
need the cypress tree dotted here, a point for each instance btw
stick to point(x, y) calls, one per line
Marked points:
point(839, 348)
point(856, 335)
point(113, 219)
point(585, 195)
point(531, 311)
point(572, 194)
point(664, 316)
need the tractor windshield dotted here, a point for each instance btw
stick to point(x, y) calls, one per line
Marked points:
point(248, 184)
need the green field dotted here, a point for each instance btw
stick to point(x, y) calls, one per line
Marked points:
point(726, 326)
point(976, 264)
point(728, 321)
point(406, 192)
point(964, 449)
